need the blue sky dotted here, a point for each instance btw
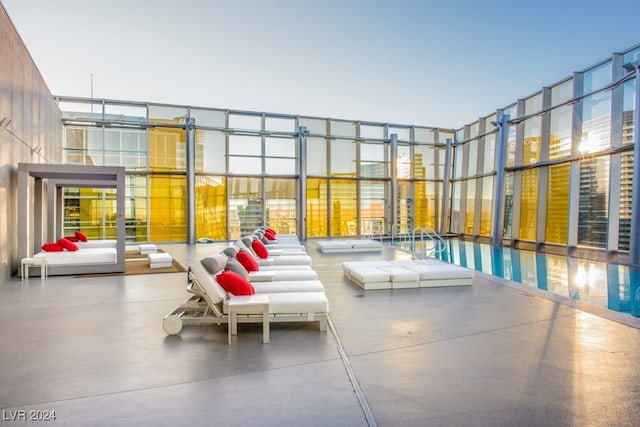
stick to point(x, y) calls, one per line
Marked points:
point(436, 63)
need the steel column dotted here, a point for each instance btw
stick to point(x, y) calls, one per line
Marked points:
point(445, 186)
point(393, 142)
point(634, 244)
point(498, 185)
point(190, 130)
point(302, 195)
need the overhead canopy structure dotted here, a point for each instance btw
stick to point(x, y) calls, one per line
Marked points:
point(43, 216)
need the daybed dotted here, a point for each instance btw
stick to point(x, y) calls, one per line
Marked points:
point(82, 261)
point(406, 274)
point(339, 246)
point(97, 244)
point(210, 305)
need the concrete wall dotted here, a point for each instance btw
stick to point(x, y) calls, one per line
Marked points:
point(34, 134)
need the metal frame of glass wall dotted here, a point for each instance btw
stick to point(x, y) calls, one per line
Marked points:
point(565, 178)
point(336, 178)
point(568, 172)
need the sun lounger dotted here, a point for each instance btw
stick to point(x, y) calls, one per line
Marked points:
point(340, 246)
point(210, 305)
point(406, 274)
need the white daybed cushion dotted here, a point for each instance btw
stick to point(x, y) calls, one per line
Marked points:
point(97, 244)
point(285, 275)
point(295, 303)
point(80, 257)
point(290, 286)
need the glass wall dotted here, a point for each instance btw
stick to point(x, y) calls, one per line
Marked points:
point(565, 145)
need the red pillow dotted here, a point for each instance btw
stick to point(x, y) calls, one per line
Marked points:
point(52, 247)
point(71, 238)
point(234, 283)
point(68, 245)
point(260, 249)
point(247, 261)
point(269, 235)
point(270, 230)
point(81, 236)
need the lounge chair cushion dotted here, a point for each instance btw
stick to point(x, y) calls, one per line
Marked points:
point(231, 251)
point(235, 266)
point(52, 247)
point(81, 236)
point(208, 283)
point(247, 261)
point(234, 283)
point(68, 245)
point(260, 249)
point(214, 263)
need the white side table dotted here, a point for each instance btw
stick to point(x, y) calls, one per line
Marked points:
point(248, 304)
point(26, 263)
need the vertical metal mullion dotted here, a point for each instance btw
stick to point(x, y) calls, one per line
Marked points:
point(615, 163)
point(445, 185)
point(477, 212)
point(574, 174)
point(517, 176)
point(190, 153)
point(543, 172)
point(464, 166)
point(302, 195)
point(497, 212)
point(393, 146)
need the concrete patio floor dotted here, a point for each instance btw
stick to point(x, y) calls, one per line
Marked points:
point(93, 351)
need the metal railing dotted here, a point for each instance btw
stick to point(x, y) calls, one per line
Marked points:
point(431, 244)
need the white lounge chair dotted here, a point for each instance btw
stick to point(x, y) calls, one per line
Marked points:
point(210, 305)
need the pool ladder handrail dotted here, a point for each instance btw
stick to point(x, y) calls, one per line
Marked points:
point(439, 246)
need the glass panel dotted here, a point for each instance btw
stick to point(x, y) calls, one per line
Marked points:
point(211, 207)
point(342, 128)
point(344, 215)
point(597, 78)
point(90, 210)
point(404, 210)
point(373, 206)
point(245, 145)
point(404, 134)
point(404, 162)
point(248, 122)
point(277, 124)
point(560, 132)
point(427, 135)
point(316, 156)
point(317, 214)
point(473, 157)
point(374, 160)
point(167, 149)
point(209, 118)
point(487, 197)
point(125, 113)
point(508, 204)
point(511, 137)
point(629, 107)
point(596, 123)
point(373, 132)
point(457, 161)
point(246, 211)
point(593, 207)
point(280, 166)
point(281, 205)
point(426, 205)
point(529, 205)
point(167, 115)
point(136, 222)
point(343, 157)
point(424, 162)
point(314, 126)
point(245, 165)
point(558, 204)
point(489, 153)
point(167, 208)
point(280, 147)
point(469, 217)
point(213, 148)
point(456, 226)
point(625, 201)
point(532, 129)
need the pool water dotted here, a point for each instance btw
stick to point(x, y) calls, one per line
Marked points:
point(615, 287)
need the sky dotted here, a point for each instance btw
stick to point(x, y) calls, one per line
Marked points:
point(441, 63)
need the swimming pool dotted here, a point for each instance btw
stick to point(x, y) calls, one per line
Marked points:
point(612, 286)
